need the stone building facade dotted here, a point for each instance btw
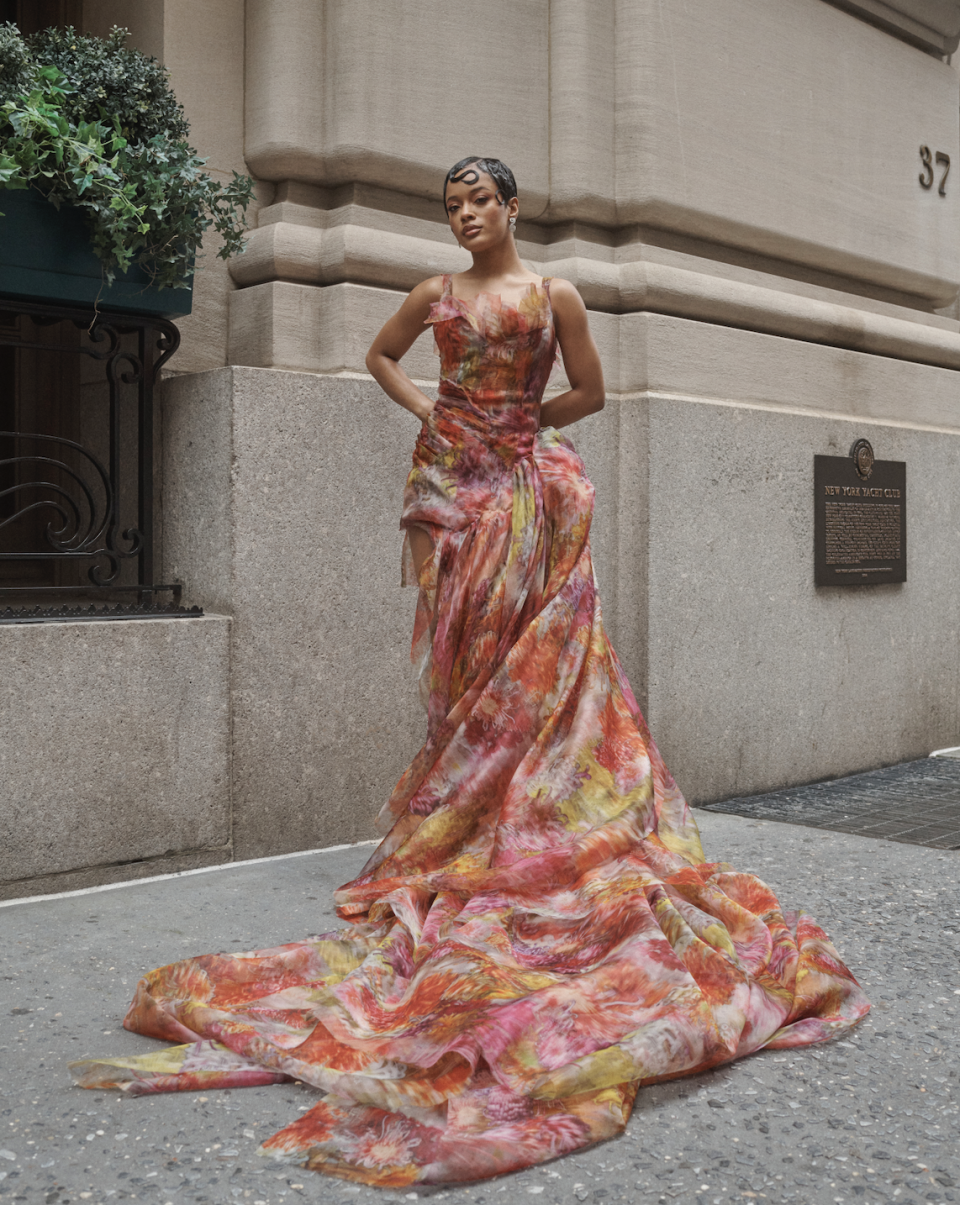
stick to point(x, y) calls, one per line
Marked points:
point(735, 188)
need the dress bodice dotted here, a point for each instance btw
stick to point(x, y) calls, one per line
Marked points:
point(495, 361)
point(495, 355)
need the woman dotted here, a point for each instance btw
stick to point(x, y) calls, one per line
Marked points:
point(538, 935)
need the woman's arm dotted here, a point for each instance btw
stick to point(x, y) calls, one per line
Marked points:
point(581, 360)
point(395, 340)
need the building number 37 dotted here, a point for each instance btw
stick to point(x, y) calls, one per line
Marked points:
point(942, 159)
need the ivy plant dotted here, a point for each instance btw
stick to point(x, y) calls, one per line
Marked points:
point(89, 123)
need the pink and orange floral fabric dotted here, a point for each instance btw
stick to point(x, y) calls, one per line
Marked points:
point(538, 935)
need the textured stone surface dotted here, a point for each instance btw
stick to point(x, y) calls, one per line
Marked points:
point(873, 1118)
point(308, 329)
point(114, 748)
point(95, 875)
point(355, 92)
point(926, 23)
point(701, 120)
point(680, 359)
point(283, 498)
point(752, 678)
point(702, 135)
point(757, 679)
point(672, 160)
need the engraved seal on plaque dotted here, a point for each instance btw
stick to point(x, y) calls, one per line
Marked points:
point(862, 453)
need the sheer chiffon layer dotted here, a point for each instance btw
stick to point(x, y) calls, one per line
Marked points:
point(538, 935)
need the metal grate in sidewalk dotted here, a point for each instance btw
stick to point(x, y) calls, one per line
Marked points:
point(917, 802)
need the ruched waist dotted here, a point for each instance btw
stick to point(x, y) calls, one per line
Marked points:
point(505, 424)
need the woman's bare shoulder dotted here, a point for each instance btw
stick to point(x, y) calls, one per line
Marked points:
point(563, 289)
point(565, 296)
point(429, 290)
point(417, 303)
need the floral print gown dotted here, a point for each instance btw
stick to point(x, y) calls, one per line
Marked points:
point(538, 935)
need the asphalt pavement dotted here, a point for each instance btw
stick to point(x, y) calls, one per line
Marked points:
point(872, 1118)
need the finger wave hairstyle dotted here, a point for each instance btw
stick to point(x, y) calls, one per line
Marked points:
point(468, 170)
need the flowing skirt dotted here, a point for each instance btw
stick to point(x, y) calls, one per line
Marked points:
point(538, 935)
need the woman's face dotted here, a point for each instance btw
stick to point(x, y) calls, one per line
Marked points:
point(476, 217)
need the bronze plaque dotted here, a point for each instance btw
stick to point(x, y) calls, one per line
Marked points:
point(859, 519)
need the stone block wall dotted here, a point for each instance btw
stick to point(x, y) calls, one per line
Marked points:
point(115, 751)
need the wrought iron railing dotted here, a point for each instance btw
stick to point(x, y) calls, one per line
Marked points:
point(77, 506)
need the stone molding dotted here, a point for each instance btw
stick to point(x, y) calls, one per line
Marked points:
point(359, 244)
point(691, 161)
point(730, 122)
point(387, 241)
point(933, 25)
point(660, 289)
point(290, 324)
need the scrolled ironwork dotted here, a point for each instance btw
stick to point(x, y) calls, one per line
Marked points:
point(87, 532)
point(58, 479)
point(168, 340)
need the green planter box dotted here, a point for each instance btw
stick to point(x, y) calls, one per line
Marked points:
point(45, 255)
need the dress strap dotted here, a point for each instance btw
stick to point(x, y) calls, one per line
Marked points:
point(447, 285)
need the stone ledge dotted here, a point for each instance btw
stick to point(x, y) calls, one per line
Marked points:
point(307, 328)
point(329, 250)
point(115, 747)
point(933, 25)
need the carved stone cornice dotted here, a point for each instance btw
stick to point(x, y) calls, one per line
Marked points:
point(933, 25)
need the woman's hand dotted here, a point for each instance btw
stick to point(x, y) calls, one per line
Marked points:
point(395, 340)
point(581, 360)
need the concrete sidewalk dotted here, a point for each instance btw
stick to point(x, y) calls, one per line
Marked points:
point(870, 1119)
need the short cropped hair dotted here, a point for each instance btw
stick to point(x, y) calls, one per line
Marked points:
point(468, 171)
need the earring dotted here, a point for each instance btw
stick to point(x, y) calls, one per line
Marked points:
point(513, 225)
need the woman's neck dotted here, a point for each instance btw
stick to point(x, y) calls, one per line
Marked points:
point(497, 263)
